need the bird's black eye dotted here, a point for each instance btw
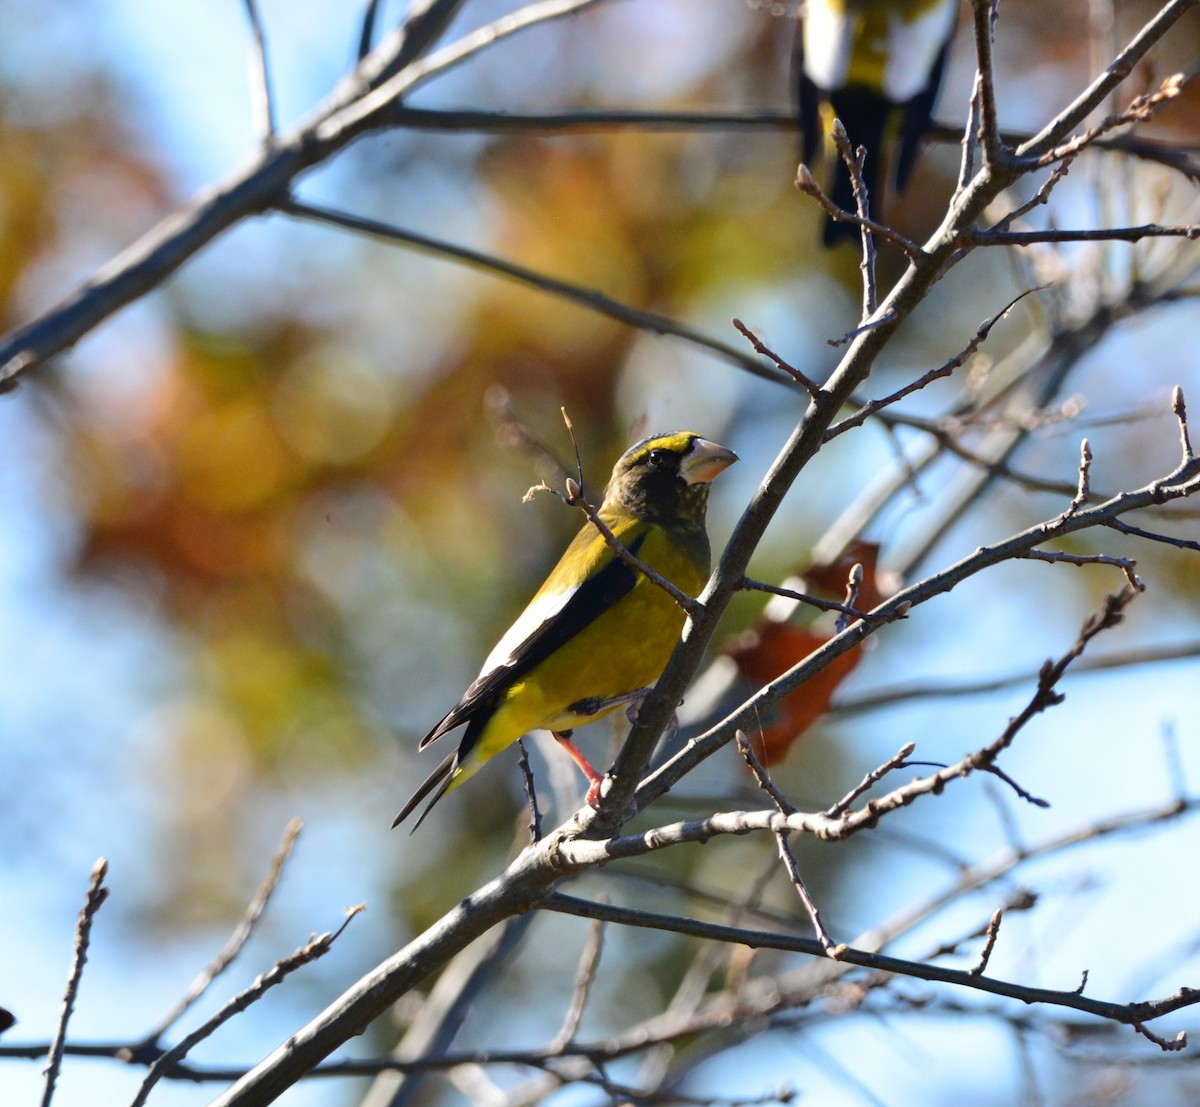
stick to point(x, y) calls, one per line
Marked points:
point(656, 459)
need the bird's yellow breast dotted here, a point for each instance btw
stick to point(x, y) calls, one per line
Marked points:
point(621, 651)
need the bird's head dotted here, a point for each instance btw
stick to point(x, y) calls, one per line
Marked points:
point(665, 478)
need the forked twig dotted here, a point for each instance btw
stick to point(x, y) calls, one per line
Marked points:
point(783, 843)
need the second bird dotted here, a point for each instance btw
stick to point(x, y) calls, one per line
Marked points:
point(598, 633)
point(876, 65)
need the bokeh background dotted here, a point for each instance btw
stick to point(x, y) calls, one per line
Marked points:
point(257, 532)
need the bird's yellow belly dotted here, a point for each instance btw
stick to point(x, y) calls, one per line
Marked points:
point(622, 651)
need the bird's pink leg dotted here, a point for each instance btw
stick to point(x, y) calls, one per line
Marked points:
point(563, 738)
point(596, 707)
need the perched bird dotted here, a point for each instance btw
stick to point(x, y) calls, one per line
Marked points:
point(876, 65)
point(598, 632)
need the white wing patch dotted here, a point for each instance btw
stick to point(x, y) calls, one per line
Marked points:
point(541, 610)
point(913, 49)
point(827, 43)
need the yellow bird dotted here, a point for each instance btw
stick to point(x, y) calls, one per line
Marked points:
point(598, 632)
point(876, 65)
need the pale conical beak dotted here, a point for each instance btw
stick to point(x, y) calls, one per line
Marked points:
point(704, 461)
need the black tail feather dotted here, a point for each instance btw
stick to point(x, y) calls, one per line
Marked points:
point(442, 776)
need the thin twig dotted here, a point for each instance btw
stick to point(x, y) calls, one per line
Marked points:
point(873, 407)
point(995, 153)
point(832, 949)
point(585, 976)
point(807, 184)
point(761, 776)
point(262, 99)
point(897, 761)
point(535, 815)
point(871, 324)
point(1083, 492)
point(846, 610)
point(989, 944)
point(1023, 793)
point(1060, 557)
point(316, 947)
point(1041, 196)
point(970, 138)
point(855, 159)
point(1189, 231)
point(1171, 1045)
point(96, 895)
point(575, 498)
point(809, 385)
point(367, 33)
point(854, 581)
point(585, 297)
point(1179, 156)
point(922, 690)
point(1179, 407)
point(1141, 108)
point(240, 936)
point(1128, 1013)
point(1165, 539)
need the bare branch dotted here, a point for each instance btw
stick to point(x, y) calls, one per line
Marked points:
point(585, 976)
point(994, 151)
point(846, 610)
point(1140, 109)
point(349, 112)
point(535, 815)
point(1058, 557)
point(1096, 93)
point(585, 297)
point(873, 407)
point(790, 864)
point(806, 183)
point(1083, 493)
point(1130, 1014)
point(96, 895)
point(993, 932)
point(262, 100)
point(366, 34)
point(970, 137)
point(854, 160)
point(810, 386)
point(1096, 234)
point(886, 697)
point(240, 936)
point(896, 761)
point(1041, 196)
point(1179, 407)
point(862, 328)
point(1165, 539)
point(315, 947)
point(761, 777)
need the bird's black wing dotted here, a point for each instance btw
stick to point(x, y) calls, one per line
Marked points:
point(589, 601)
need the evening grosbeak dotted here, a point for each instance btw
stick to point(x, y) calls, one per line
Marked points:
point(598, 633)
point(876, 65)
